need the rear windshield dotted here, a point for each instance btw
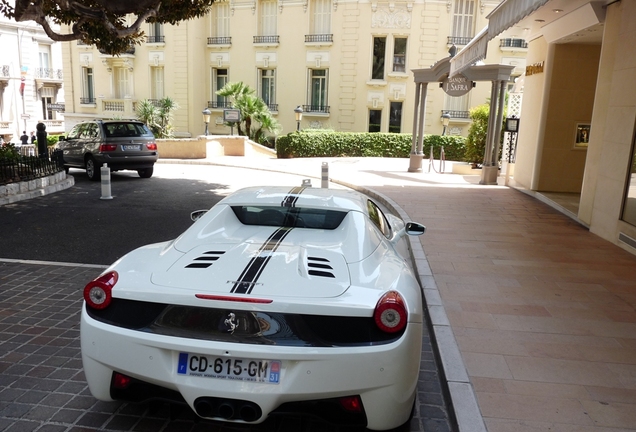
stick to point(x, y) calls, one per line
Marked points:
point(125, 129)
point(289, 217)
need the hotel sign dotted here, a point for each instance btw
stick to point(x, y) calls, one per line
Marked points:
point(456, 86)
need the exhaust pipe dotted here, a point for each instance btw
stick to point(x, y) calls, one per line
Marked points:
point(226, 410)
point(204, 407)
point(249, 412)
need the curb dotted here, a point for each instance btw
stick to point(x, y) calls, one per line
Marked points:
point(21, 191)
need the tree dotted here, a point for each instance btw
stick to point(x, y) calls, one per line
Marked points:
point(103, 22)
point(255, 113)
point(158, 115)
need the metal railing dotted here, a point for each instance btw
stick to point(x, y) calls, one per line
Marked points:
point(457, 114)
point(318, 38)
point(316, 109)
point(458, 40)
point(87, 100)
point(513, 43)
point(4, 70)
point(155, 39)
point(266, 39)
point(273, 107)
point(49, 73)
point(219, 104)
point(25, 168)
point(220, 40)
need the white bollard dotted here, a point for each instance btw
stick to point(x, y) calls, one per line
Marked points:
point(105, 173)
point(325, 176)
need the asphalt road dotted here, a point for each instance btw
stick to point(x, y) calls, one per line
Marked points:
point(77, 226)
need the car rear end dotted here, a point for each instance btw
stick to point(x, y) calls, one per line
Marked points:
point(127, 145)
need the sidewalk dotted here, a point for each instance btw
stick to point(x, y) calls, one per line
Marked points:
point(534, 316)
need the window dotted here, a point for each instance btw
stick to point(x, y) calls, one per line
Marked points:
point(458, 105)
point(318, 90)
point(156, 83)
point(321, 17)
point(268, 18)
point(379, 48)
point(121, 82)
point(220, 19)
point(289, 217)
point(378, 218)
point(267, 87)
point(629, 204)
point(88, 87)
point(44, 54)
point(375, 120)
point(395, 117)
point(48, 95)
point(463, 18)
point(155, 33)
point(399, 54)
point(219, 79)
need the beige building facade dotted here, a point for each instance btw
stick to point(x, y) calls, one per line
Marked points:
point(578, 116)
point(347, 64)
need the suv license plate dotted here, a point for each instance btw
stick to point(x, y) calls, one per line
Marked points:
point(260, 371)
point(131, 147)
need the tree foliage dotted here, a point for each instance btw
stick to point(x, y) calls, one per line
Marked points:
point(158, 115)
point(256, 118)
point(103, 22)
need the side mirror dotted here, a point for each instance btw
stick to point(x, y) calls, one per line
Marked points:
point(197, 214)
point(414, 228)
point(61, 138)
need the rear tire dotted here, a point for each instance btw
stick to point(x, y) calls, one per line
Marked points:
point(145, 173)
point(92, 171)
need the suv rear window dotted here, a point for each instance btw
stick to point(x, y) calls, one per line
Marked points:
point(125, 129)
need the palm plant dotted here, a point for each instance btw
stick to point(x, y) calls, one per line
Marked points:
point(158, 115)
point(256, 118)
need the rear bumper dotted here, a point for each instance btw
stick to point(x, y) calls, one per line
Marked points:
point(127, 162)
point(384, 376)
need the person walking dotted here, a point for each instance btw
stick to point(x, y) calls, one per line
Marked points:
point(24, 138)
point(33, 137)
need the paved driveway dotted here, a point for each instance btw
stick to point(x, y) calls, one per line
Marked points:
point(42, 387)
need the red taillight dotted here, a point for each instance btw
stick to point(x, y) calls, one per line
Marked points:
point(121, 381)
point(390, 313)
point(97, 292)
point(234, 299)
point(351, 403)
point(151, 146)
point(107, 147)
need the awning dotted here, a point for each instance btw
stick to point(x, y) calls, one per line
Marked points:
point(474, 51)
point(509, 13)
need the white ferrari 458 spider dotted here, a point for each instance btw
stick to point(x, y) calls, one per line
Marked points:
point(277, 300)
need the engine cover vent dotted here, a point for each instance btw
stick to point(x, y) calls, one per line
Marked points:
point(319, 267)
point(206, 260)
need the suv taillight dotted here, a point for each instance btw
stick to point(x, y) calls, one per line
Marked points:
point(98, 292)
point(151, 146)
point(107, 147)
point(390, 313)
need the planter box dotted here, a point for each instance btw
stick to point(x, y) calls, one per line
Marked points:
point(210, 146)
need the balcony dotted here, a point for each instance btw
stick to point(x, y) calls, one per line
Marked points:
point(219, 104)
point(459, 115)
point(4, 71)
point(315, 109)
point(458, 40)
point(5, 127)
point(87, 101)
point(156, 39)
point(118, 107)
point(319, 39)
point(267, 40)
point(49, 74)
point(272, 107)
point(53, 126)
point(513, 44)
point(219, 41)
point(129, 51)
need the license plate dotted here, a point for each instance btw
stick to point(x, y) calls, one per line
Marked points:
point(131, 147)
point(237, 369)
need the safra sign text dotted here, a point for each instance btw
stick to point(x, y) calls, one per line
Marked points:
point(458, 85)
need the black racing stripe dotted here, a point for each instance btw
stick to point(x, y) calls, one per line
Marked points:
point(292, 196)
point(255, 267)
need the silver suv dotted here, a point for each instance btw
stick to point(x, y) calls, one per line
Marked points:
point(122, 144)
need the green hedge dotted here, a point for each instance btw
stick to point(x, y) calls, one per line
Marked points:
point(320, 143)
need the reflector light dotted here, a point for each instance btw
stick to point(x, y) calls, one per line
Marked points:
point(97, 293)
point(107, 147)
point(151, 146)
point(351, 403)
point(121, 381)
point(390, 313)
point(233, 299)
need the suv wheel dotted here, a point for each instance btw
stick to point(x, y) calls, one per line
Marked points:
point(145, 173)
point(92, 170)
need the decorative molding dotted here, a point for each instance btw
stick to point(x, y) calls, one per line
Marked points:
point(374, 6)
point(305, 4)
point(254, 7)
point(335, 5)
point(400, 18)
point(482, 5)
point(280, 6)
point(449, 4)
